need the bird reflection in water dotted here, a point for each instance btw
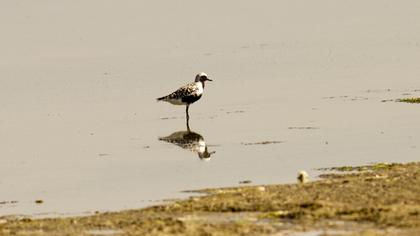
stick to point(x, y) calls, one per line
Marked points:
point(191, 141)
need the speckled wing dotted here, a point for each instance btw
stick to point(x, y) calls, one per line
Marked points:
point(185, 91)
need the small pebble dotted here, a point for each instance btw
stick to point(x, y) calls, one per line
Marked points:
point(261, 188)
point(39, 201)
point(303, 177)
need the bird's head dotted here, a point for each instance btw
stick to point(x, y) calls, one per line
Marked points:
point(202, 77)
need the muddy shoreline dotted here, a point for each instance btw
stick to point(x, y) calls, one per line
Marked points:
point(383, 199)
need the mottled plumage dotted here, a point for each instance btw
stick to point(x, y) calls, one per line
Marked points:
point(187, 94)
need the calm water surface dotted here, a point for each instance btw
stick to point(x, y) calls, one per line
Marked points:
point(80, 128)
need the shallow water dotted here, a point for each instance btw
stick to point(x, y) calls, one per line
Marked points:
point(80, 128)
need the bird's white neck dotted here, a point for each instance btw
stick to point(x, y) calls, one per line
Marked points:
point(200, 86)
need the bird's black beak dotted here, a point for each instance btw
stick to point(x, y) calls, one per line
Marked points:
point(209, 79)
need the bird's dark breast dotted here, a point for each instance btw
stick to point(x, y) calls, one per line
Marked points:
point(191, 99)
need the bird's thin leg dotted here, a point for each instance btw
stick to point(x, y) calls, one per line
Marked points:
point(186, 111)
point(188, 118)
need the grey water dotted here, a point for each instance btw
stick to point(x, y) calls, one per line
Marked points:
point(297, 86)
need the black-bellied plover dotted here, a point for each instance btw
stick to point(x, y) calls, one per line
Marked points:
point(188, 94)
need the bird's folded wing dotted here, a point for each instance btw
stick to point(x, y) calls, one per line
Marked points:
point(187, 90)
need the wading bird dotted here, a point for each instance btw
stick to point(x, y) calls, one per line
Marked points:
point(188, 94)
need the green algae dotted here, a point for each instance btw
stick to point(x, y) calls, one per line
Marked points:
point(409, 100)
point(375, 166)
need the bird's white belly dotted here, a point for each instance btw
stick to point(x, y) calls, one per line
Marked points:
point(176, 101)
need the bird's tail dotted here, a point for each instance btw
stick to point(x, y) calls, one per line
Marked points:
point(161, 98)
